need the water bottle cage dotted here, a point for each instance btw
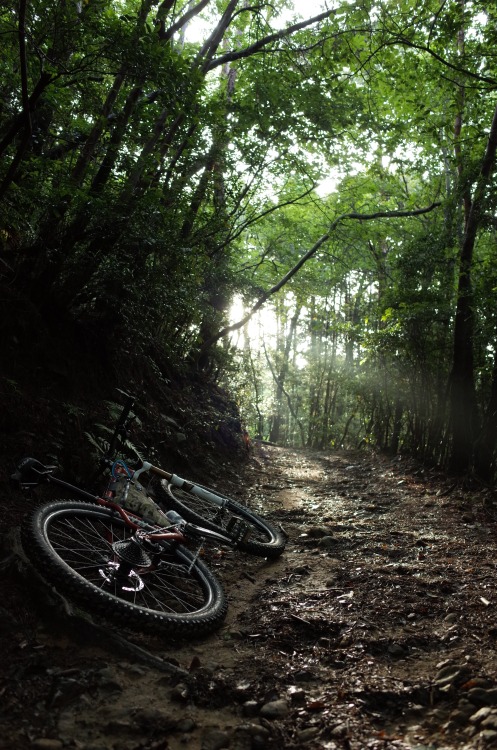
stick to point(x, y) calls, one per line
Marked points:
point(238, 530)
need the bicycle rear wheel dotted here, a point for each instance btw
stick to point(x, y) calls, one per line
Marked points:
point(70, 544)
point(263, 539)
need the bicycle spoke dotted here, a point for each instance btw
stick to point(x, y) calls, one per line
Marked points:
point(87, 548)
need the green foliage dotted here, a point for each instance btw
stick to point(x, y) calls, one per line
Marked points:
point(154, 180)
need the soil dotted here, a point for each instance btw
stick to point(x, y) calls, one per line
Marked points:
point(375, 629)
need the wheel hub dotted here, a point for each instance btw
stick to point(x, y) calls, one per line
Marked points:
point(109, 574)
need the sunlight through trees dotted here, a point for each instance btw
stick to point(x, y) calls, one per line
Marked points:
point(331, 167)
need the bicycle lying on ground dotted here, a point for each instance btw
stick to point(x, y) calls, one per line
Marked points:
point(121, 555)
point(115, 563)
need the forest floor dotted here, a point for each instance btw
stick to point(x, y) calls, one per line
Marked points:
point(375, 629)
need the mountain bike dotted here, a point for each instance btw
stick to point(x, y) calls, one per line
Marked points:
point(118, 563)
point(198, 504)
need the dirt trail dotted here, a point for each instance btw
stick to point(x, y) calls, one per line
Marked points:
point(375, 629)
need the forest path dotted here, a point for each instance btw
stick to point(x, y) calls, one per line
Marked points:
point(375, 629)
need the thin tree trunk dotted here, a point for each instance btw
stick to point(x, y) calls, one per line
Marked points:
point(487, 442)
point(280, 377)
point(26, 113)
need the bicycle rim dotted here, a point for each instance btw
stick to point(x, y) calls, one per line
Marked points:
point(264, 539)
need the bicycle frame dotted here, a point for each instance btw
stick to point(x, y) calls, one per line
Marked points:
point(132, 520)
point(183, 531)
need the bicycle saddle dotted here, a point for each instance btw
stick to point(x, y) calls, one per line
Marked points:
point(31, 472)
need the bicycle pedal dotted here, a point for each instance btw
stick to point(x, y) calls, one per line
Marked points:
point(237, 529)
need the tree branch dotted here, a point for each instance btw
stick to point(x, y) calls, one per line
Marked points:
point(426, 48)
point(256, 217)
point(230, 56)
point(165, 34)
point(286, 278)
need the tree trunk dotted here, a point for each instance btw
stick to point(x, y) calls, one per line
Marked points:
point(463, 407)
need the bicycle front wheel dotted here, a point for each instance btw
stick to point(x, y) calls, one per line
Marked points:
point(70, 544)
point(263, 539)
